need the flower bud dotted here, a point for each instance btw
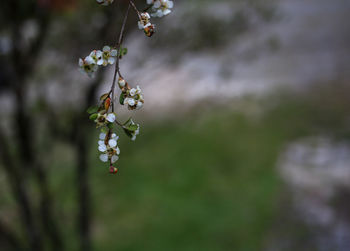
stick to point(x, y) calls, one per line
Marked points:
point(121, 82)
point(107, 103)
point(113, 170)
point(149, 30)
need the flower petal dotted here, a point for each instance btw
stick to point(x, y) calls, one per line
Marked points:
point(102, 148)
point(139, 105)
point(112, 143)
point(114, 52)
point(104, 157)
point(111, 117)
point(114, 158)
point(111, 60)
point(131, 102)
point(106, 48)
point(132, 92)
point(166, 12)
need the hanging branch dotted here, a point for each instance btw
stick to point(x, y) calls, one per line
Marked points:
point(119, 46)
point(104, 114)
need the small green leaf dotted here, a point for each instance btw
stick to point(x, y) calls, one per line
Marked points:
point(127, 122)
point(104, 96)
point(92, 109)
point(123, 51)
point(93, 116)
point(121, 98)
point(104, 129)
point(110, 125)
point(127, 132)
point(132, 128)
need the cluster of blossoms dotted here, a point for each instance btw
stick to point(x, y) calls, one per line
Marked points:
point(108, 146)
point(160, 7)
point(90, 64)
point(103, 114)
point(104, 118)
point(145, 25)
point(130, 96)
point(105, 2)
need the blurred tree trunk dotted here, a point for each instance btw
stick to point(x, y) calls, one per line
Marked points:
point(24, 164)
point(20, 167)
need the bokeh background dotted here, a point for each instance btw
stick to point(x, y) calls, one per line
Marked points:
point(245, 133)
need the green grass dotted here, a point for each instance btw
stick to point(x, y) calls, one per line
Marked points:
point(208, 182)
point(208, 185)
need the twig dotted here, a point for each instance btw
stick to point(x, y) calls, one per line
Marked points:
point(119, 44)
point(134, 6)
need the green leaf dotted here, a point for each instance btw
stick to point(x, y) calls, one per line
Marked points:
point(93, 116)
point(104, 129)
point(127, 122)
point(132, 128)
point(110, 125)
point(123, 52)
point(127, 132)
point(104, 96)
point(92, 109)
point(121, 98)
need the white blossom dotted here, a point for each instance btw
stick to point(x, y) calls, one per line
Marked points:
point(134, 98)
point(104, 157)
point(103, 119)
point(132, 92)
point(161, 7)
point(108, 55)
point(88, 65)
point(102, 136)
point(96, 55)
point(135, 133)
point(111, 150)
point(139, 105)
point(121, 82)
point(111, 117)
point(144, 21)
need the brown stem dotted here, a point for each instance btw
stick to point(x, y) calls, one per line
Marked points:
point(147, 8)
point(120, 40)
point(136, 10)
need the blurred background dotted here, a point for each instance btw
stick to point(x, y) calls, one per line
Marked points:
point(245, 132)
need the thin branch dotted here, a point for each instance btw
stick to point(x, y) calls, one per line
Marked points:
point(145, 10)
point(136, 10)
point(119, 44)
